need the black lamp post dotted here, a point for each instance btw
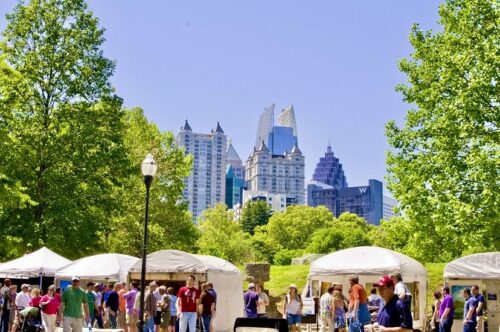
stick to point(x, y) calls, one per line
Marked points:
point(148, 168)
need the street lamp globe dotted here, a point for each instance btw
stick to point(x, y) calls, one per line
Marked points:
point(149, 166)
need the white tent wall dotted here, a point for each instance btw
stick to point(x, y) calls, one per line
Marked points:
point(229, 299)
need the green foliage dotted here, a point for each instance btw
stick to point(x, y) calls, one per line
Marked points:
point(64, 127)
point(293, 228)
point(282, 276)
point(221, 236)
point(392, 234)
point(170, 224)
point(435, 280)
point(284, 256)
point(444, 162)
point(349, 230)
point(255, 214)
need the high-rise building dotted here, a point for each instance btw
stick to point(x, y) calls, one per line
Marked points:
point(206, 185)
point(235, 161)
point(329, 170)
point(365, 201)
point(280, 138)
point(235, 177)
point(389, 205)
point(267, 173)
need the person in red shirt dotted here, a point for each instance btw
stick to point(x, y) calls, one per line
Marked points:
point(50, 308)
point(188, 299)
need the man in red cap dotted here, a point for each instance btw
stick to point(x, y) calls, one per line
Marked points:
point(394, 316)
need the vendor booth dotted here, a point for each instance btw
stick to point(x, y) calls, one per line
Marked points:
point(369, 263)
point(103, 267)
point(172, 267)
point(482, 270)
point(38, 265)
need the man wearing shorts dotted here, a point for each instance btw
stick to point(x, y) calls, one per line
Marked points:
point(173, 310)
point(129, 297)
point(73, 299)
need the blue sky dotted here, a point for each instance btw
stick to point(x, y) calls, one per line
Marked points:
point(209, 61)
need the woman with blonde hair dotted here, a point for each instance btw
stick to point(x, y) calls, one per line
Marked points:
point(338, 311)
point(50, 308)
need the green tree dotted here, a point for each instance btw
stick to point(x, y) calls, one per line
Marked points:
point(255, 214)
point(444, 162)
point(221, 236)
point(293, 228)
point(393, 234)
point(64, 126)
point(170, 224)
point(348, 231)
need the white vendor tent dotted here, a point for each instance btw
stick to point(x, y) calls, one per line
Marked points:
point(108, 267)
point(43, 262)
point(369, 263)
point(479, 269)
point(175, 265)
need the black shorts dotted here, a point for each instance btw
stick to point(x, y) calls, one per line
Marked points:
point(157, 318)
point(172, 320)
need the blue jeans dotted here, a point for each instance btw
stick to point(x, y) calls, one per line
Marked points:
point(149, 325)
point(112, 320)
point(5, 320)
point(445, 325)
point(187, 319)
point(470, 327)
point(206, 322)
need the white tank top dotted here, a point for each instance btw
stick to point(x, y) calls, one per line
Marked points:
point(292, 306)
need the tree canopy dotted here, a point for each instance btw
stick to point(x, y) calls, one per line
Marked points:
point(445, 160)
point(255, 214)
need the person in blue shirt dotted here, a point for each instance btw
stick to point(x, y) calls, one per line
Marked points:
point(469, 311)
point(479, 307)
point(394, 316)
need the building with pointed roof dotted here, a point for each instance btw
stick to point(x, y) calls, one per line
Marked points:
point(206, 185)
point(235, 177)
point(329, 170)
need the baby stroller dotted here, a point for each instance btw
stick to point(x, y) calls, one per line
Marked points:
point(30, 320)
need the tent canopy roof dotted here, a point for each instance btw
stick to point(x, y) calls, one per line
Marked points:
point(478, 266)
point(367, 261)
point(113, 267)
point(43, 261)
point(174, 261)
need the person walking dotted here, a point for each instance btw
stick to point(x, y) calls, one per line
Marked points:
point(263, 301)
point(435, 310)
point(212, 292)
point(122, 307)
point(7, 304)
point(173, 310)
point(401, 289)
point(394, 316)
point(470, 321)
point(50, 308)
point(23, 300)
point(446, 311)
point(358, 306)
point(293, 308)
point(112, 305)
point(72, 301)
point(206, 307)
point(250, 301)
point(326, 311)
point(130, 296)
point(153, 287)
point(99, 305)
point(188, 299)
point(338, 309)
point(150, 305)
point(479, 307)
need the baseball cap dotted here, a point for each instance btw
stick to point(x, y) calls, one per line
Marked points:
point(385, 281)
point(251, 285)
point(75, 278)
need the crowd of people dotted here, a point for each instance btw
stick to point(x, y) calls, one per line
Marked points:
point(113, 306)
point(443, 310)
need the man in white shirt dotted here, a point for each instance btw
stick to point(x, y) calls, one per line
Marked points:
point(401, 290)
point(325, 311)
point(23, 300)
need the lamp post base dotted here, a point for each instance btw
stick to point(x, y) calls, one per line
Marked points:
point(140, 326)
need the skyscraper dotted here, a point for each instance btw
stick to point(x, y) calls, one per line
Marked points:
point(206, 185)
point(235, 177)
point(280, 138)
point(267, 173)
point(329, 170)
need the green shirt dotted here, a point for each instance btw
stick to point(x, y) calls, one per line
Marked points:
point(91, 301)
point(73, 298)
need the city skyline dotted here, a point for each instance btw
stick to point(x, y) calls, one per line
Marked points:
point(336, 62)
